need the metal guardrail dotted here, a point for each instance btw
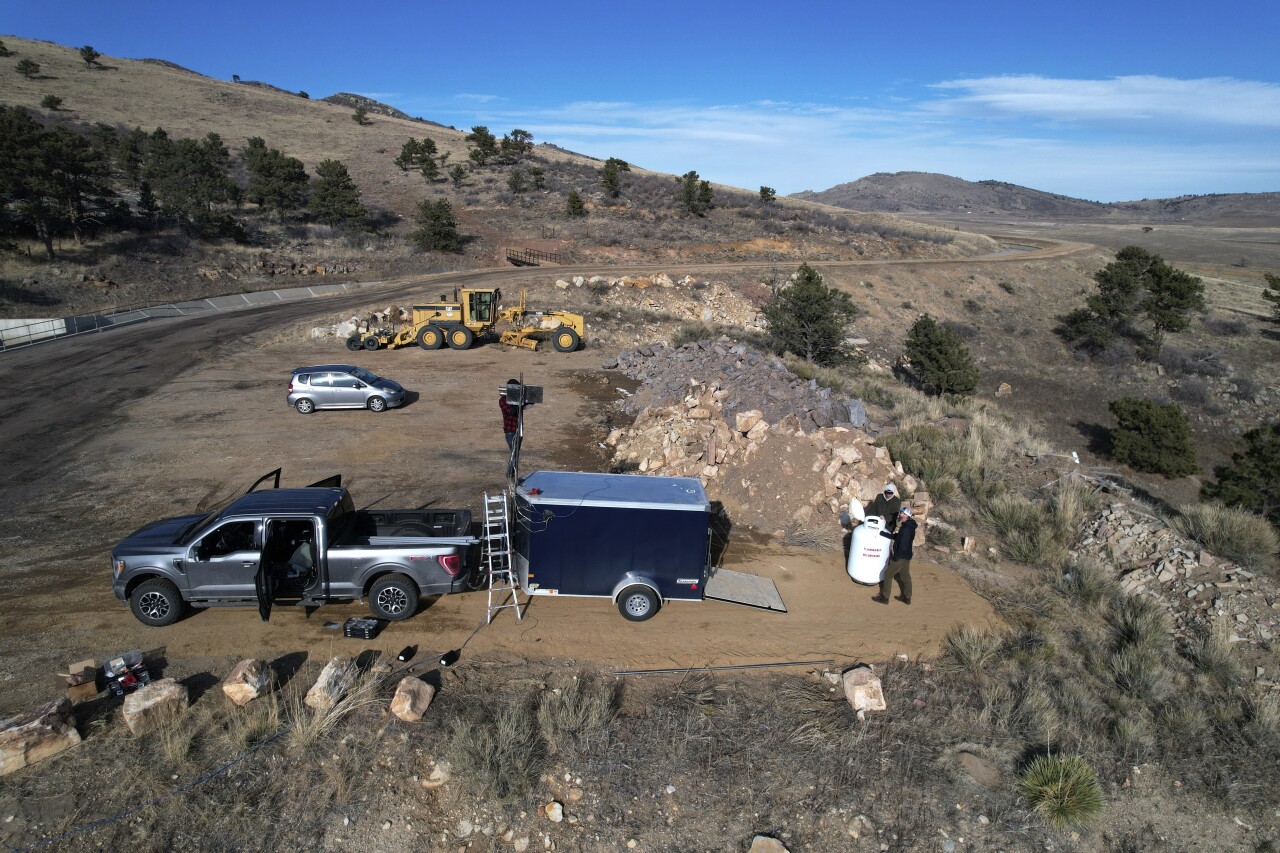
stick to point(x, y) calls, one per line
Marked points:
point(533, 257)
point(19, 334)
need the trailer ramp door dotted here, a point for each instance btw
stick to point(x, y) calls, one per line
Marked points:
point(741, 588)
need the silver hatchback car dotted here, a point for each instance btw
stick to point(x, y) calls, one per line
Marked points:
point(342, 386)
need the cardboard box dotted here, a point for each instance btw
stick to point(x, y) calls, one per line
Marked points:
point(82, 680)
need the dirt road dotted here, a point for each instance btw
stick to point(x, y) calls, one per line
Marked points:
point(106, 432)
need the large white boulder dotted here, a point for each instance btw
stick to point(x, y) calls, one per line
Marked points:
point(413, 697)
point(33, 737)
point(248, 680)
point(154, 705)
point(335, 680)
point(862, 689)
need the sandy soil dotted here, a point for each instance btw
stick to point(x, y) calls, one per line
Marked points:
point(210, 431)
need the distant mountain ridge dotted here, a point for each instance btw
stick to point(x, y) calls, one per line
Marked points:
point(928, 193)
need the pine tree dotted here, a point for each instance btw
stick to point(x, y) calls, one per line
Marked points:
point(1252, 480)
point(90, 56)
point(437, 229)
point(810, 319)
point(1272, 294)
point(767, 195)
point(574, 206)
point(939, 360)
point(277, 182)
point(1152, 437)
point(335, 198)
point(610, 175)
point(28, 68)
point(51, 102)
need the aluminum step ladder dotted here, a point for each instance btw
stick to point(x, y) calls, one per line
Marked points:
point(504, 586)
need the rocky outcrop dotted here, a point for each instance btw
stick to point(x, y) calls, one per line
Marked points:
point(779, 453)
point(1199, 588)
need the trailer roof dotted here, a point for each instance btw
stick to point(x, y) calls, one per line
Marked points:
point(577, 488)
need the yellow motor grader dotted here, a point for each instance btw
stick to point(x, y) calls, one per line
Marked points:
point(474, 313)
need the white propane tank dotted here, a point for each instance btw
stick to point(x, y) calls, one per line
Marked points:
point(868, 547)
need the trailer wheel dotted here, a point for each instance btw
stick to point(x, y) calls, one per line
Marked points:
point(354, 343)
point(460, 337)
point(393, 597)
point(430, 337)
point(637, 603)
point(156, 602)
point(372, 343)
point(565, 340)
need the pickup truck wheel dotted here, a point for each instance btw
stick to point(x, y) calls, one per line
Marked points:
point(377, 404)
point(304, 406)
point(637, 603)
point(430, 337)
point(156, 602)
point(565, 340)
point(393, 597)
point(354, 343)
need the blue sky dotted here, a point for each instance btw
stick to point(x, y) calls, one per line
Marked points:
point(1107, 101)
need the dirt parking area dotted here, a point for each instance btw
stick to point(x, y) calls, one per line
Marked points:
point(212, 429)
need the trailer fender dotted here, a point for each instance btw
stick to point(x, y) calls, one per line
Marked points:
point(631, 579)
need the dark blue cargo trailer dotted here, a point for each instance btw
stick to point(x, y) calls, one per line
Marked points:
point(637, 540)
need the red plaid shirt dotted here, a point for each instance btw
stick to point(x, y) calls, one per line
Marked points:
point(510, 415)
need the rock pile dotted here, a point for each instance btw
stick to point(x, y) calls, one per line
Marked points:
point(1150, 558)
point(764, 443)
point(686, 299)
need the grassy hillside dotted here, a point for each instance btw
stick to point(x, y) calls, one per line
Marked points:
point(643, 224)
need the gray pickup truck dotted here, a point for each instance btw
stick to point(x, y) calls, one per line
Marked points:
point(306, 546)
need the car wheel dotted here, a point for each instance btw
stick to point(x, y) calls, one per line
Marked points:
point(565, 340)
point(372, 343)
point(304, 406)
point(430, 337)
point(637, 603)
point(393, 597)
point(156, 602)
point(460, 338)
point(354, 344)
point(377, 404)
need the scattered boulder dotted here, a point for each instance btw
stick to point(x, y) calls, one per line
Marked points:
point(154, 705)
point(33, 737)
point(766, 844)
point(334, 681)
point(248, 680)
point(862, 689)
point(413, 697)
point(554, 811)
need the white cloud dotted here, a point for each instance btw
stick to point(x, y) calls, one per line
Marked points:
point(1109, 140)
point(477, 98)
point(1208, 101)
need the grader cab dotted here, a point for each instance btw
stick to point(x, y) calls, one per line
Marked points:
point(474, 313)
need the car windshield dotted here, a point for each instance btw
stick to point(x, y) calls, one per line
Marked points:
point(364, 375)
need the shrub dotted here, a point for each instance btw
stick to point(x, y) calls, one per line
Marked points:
point(1088, 583)
point(501, 754)
point(1226, 326)
point(578, 714)
point(1063, 789)
point(1141, 622)
point(1152, 437)
point(1231, 532)
point(972, 648)
point(1212, 655)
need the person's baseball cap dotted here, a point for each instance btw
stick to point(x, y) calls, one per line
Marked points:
point(906, 510)
point(890, 489)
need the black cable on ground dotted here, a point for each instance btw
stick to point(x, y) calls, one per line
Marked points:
point(689, 669)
